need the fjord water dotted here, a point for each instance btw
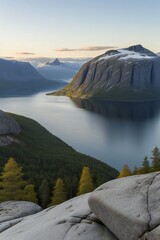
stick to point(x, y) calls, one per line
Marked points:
point(116, 133)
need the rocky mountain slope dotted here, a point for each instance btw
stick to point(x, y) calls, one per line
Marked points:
point(8, 127)
point(11, 70)
point(122, 209)
point(124, 74)
point(18, 77)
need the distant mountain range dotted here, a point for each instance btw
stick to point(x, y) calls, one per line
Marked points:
point(55, 62)
point(130, 74)
point(18, 78)
point(60, 70)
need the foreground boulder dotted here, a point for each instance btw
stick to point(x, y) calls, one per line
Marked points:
point(72, 220)
point(122, 209)
point(129, 207)
point(12, 211)
point(124, 74)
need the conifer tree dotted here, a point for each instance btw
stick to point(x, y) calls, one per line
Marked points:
point(44, 193)
point(85, 183)
point(145, 166)
point(75, 183)
point(59, 194)
point(11, 182)
point(30, 194)
point(135, 170)
point(125, 172)
point(155, 159)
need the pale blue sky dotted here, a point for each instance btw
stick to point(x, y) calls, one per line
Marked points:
point(41, 26)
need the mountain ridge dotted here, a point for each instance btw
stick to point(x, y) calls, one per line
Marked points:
point(128, 74)
point(21, 78)
point(55, 62)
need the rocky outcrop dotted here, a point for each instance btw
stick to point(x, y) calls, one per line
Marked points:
point(72, 220)
point(125, 74)
point(8, 127)
point(11, 212)
point(129, 207)
point(122, 209)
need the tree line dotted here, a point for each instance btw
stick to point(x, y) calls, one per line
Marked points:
point(147, 165)
point(13, 186)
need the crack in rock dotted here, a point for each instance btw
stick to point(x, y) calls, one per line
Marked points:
point(149, 214)
point(8, 224)
point(74, 224)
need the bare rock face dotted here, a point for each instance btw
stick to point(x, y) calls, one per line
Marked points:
point(122, 209)
point(11, 212)
point(72, 220)
point(8, 125)
point(125, 74)
point(129, 207)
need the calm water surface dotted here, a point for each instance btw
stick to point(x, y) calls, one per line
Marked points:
point(116, 133)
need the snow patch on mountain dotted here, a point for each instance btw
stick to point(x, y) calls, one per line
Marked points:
point(124, 54)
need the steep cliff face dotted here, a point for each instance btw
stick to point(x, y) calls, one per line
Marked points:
point(125, 74)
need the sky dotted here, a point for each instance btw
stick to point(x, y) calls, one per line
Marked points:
point(76, 28)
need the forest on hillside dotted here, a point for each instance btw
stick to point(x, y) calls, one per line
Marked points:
point(45, 157)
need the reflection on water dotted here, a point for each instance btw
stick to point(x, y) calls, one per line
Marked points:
point(131, 130)
point(134, 111)
point(116, 133)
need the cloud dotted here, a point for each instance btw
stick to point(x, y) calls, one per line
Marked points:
point(27, 53)
point(37, 59)
point(41, 60)
point(90, 48)
point(7, 57)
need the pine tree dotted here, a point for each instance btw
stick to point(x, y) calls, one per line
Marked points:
point(12, 183)
point(75, 183)
point(125, 172)
point(85, 183)
point(44, 193)
point(59, 194)
point(30, 194)
point(155, 159)
point(135, 170)
point(145, 166)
